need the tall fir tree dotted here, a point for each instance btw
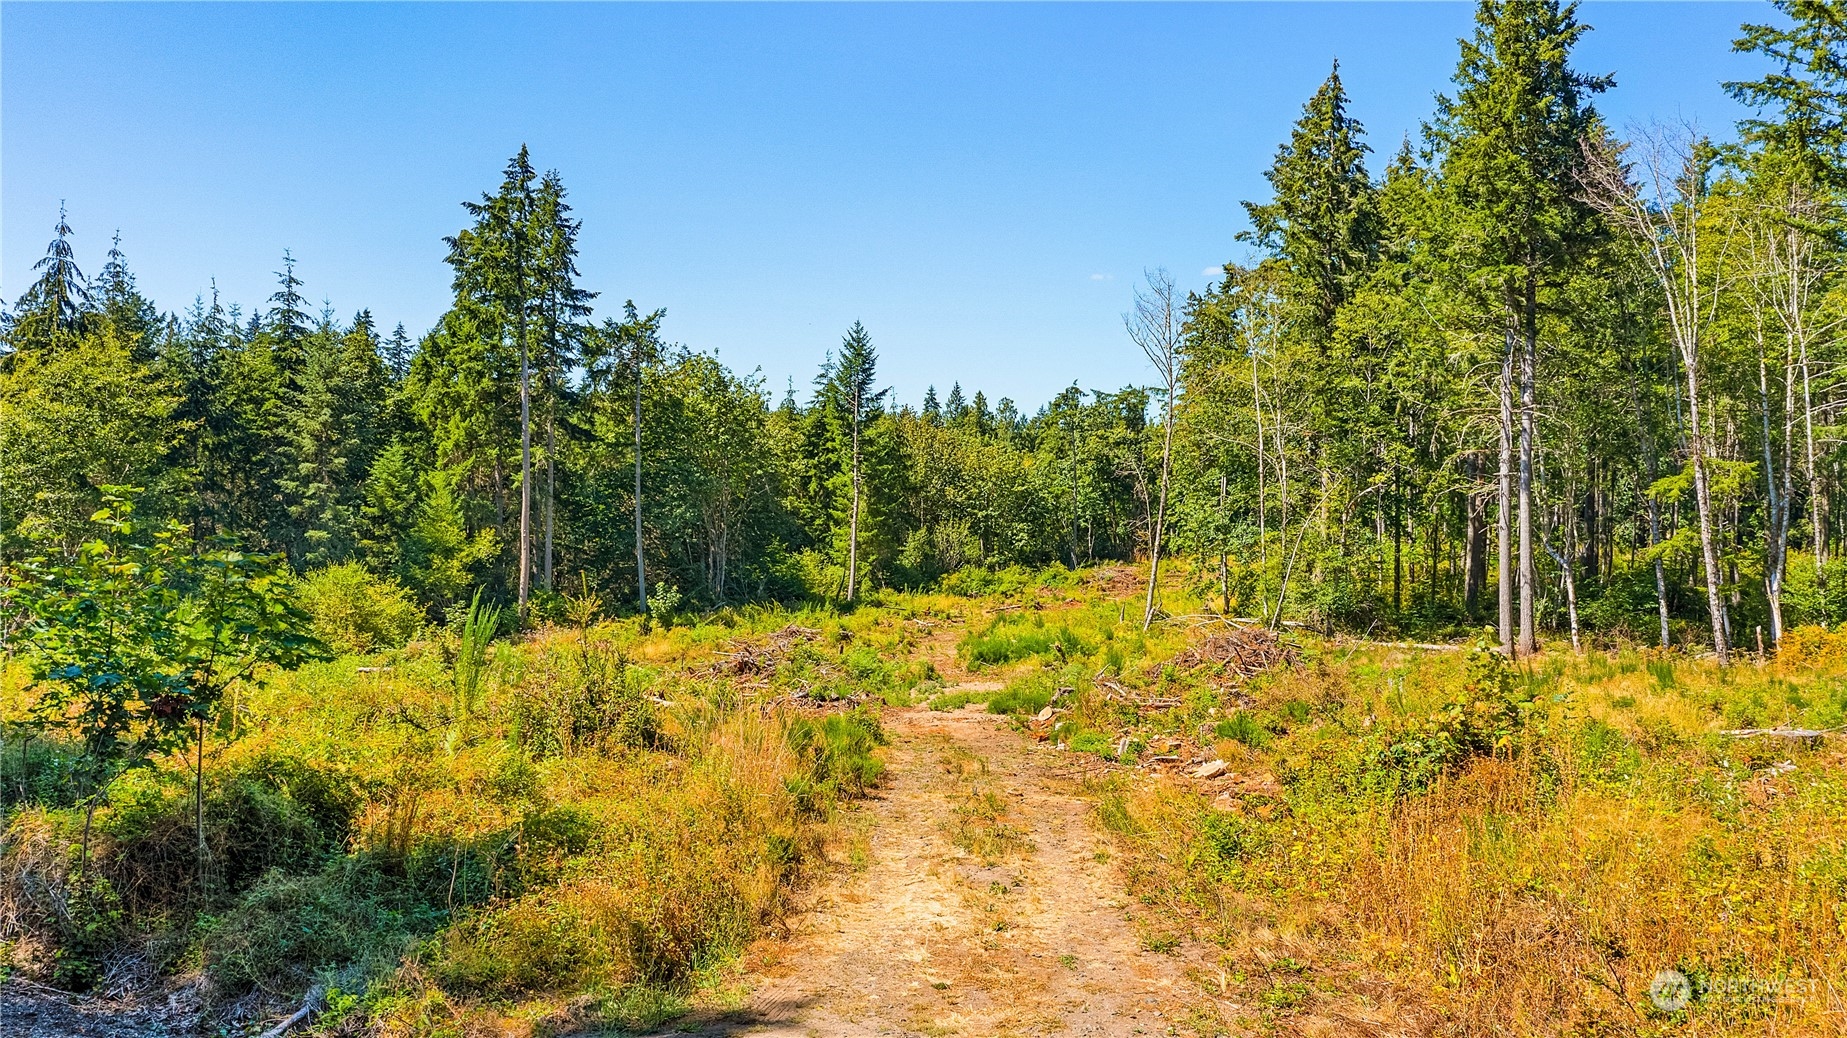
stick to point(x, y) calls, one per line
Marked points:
point(1321, 221)
point(50, 314)
point(563, 310)
point(853, 388)
point(1511, 146)
point(121, 304)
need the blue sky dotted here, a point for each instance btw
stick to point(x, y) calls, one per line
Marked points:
point(980, 184)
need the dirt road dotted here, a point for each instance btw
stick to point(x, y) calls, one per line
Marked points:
point(985, 904)
point(979, 901)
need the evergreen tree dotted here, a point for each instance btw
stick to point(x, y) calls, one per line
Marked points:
point(955, 407)
point(389, 513)
point(502, 281)
point(287, 321)
point(51, 312)
point(1802, 102)
point(123, 306)
point(853, 378)
point(398, 351)
point(563, 309)
point(1321, 222)
point(1511, 145)
point(628, 347)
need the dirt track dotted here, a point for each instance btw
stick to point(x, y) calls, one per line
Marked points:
point(918, 936)
point(928, 939)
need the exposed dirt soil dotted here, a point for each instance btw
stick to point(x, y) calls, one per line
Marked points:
point(1022, 930)
point(977, 899)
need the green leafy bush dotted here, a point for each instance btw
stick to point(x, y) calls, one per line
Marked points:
point(1026, 696)
point(286, 928)
point(1243, 727)
point(269, 812)
point(1488, 718)
point(355, 612)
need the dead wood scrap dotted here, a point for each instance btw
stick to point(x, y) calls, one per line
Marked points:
point(1238, 652)
point(1421, 646)
point(750, 659)
point(1115, 693)
point(308, 1007)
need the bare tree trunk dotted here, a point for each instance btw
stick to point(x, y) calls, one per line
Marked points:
point(1653, 508)
point(641, 561)
point(1160, 516)
point(525, 473)
point(198, 807)
point(1436, 534)
point(1702, 499)
point(853, 522)
point(1776, 536)
point(1224, 557)
point(1075, 505)
point(1529, 641)
point(1571, 589)
point(551, 492)
point(1504, 518)
point(1263, 533)
point(1666, 225)
point(1789, 469)
point(724, 554)
point(1154, 326)
point(1474, 543)
point(1818, 497)
point(1654, 533)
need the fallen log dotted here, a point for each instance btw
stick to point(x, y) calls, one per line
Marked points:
point(1425, 646)
point(308, 1007)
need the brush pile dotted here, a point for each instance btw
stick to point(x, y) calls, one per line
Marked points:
point(759, 660)
point(1237, 653)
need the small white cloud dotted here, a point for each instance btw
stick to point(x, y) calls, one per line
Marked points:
point(1211, 272)
point(1102, 277)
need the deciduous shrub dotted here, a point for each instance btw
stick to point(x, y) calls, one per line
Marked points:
point(1487, 718)
point(355, 612)
point(837, 750)
point(1812, 645)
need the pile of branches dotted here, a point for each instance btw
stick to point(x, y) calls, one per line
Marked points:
point(1238, 653)
point(759, 660)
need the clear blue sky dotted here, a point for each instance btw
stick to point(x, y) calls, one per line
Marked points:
point(981, 185)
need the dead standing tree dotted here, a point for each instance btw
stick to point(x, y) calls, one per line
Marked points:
point(1660, 200)
point(1154, 325)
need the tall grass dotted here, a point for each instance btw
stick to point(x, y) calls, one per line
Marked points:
point(1532, 886)
point(576, 826)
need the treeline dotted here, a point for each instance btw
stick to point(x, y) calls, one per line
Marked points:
point(528, 448)
point(1531, 374)
point(1536, 374)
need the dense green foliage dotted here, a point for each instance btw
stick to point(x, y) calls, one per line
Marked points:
point(1601, 376)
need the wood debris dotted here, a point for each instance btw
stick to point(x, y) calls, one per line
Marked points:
point(1115, 693)
point(1236, 653)
point(748, 659)
point(1780, 733)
